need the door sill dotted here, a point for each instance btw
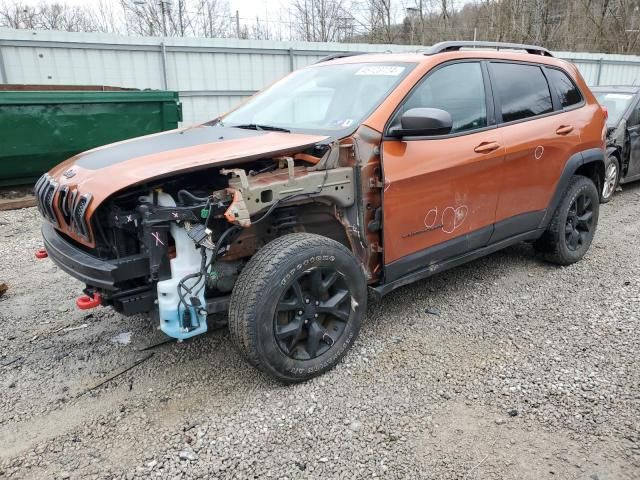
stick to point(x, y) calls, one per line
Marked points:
point(380, 291)
point(634, 178)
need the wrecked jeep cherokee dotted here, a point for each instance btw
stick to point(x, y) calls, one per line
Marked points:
point(344, 180)
point(623, 142)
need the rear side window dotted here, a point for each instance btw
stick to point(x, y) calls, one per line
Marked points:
point(457, 88)
point(567, 90)
point(522, 90)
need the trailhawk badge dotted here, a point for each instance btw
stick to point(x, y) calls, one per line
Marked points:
point(69, 173)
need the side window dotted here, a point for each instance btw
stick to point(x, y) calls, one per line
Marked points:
point(458, 89)
point(522, 90)
point(567, 90)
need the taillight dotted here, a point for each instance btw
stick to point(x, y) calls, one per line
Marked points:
point(606, 112)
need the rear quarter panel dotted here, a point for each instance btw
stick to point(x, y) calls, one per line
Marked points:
point(591, 118)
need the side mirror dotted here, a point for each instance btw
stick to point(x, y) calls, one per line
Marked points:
point(418, 122)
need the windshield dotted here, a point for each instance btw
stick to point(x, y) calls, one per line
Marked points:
point(616, 104)
point(322, 99)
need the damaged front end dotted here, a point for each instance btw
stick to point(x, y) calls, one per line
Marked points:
point(176, 247)
point(190, 238)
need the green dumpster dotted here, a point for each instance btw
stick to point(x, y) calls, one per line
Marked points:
point(39, 129)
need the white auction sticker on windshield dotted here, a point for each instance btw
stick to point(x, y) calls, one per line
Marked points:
point(390, 70)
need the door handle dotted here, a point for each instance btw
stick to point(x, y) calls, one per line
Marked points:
point(564, 129)
point(486, 147)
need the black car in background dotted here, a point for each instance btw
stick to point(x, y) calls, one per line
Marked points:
point(623, 136)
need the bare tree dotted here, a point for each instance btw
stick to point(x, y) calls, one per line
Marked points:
point(146, 18)
point(18, 15)
point(60, 16)
point(213, 19)
point(108, 17)
point(384, 27)
point(200, 18)
point(260, 30)
point(319, 20)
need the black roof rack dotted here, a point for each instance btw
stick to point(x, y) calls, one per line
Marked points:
point(333, 56)
point(455, 46)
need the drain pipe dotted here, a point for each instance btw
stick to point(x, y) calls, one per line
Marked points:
point(3, 71)
point(163, 49)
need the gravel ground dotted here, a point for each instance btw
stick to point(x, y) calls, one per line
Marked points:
point(506, 368)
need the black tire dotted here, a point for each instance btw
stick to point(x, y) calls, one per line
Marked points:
point(573, 224)
point(283, 279)
point(611, 179)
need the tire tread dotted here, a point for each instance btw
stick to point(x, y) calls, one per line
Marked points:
point(245, 300)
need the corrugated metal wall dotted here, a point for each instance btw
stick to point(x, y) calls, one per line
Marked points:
point(212, 75)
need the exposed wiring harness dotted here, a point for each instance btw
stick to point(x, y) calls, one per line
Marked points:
point(290, 197)
point(186, 193)
point(200, 276)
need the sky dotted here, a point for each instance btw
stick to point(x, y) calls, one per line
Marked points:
point(270, 10)
point(263, 8)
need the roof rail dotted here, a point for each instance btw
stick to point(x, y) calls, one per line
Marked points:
point(458, 45)
point(333, 56)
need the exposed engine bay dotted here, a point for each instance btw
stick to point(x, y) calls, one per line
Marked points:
point(199, 230)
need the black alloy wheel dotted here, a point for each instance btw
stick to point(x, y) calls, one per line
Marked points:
point(579, 222)
point(312, 313)
point(572, 228)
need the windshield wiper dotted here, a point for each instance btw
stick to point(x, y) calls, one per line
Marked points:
point(256, 126)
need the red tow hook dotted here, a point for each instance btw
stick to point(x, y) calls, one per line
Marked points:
point(41, 253)
point(86, 302)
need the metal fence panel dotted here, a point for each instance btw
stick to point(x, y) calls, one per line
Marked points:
point(605, 69)
point(212, 75)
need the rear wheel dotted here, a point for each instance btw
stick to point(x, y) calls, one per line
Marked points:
point(297, 306)
point(611, 179)
point(573, 224)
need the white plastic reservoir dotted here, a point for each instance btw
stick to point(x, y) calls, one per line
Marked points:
point(187, 260)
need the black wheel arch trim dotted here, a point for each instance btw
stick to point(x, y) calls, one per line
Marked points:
point(613, 150)
point(575, 161)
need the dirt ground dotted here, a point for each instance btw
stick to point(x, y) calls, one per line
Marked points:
point(505, 368)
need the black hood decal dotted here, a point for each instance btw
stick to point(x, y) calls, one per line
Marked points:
point(149, 145)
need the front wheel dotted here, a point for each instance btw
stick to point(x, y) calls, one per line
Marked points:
point(611, 179)
point(297, 306)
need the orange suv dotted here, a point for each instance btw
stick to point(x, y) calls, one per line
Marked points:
point(353, 176)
